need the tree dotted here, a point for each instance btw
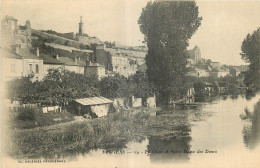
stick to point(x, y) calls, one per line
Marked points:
point(199, 88)
point(167, 26)
point(114, 86)
point(251, 54)
point(59, 87)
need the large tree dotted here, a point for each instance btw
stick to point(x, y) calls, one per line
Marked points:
point(167, 26)
point(251, 54)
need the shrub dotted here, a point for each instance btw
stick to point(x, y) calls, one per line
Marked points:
point(27, 114)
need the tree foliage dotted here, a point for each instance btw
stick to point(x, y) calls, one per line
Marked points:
point(120, 86)
point(167, 26)
point(59, 87)
point(251, 53)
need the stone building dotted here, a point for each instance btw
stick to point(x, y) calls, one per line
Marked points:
point(121, 61)
point(17, 59)
point(14, 34)
point(195, 54)
point(94, 69)
point(84, 38)
point(21, 63)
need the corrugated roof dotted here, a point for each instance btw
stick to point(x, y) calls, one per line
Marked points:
point(93, 101)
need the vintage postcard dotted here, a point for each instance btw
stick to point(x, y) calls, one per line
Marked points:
point(130, 83)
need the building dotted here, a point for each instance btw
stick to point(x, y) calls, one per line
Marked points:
point(93, 107)
point(50, 63)
point(215, 65)
point(197, 72)
point(84, 38)
point(195, 54)
point(223, 72)
point(191, 62)
point(21, 63)
point(14, 34)
point(95, 69)
point(121, 61)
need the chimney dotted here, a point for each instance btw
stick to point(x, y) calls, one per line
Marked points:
point(75, 59)
point(17, 50)
point(37, 52)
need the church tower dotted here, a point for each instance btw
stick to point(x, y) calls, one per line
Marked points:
point(81, 32)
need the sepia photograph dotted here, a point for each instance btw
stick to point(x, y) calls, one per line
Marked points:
point(130, 83)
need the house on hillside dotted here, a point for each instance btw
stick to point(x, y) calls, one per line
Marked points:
point(222, 72)
point(69, 64)
point(14, 34)
point(50, 63)
point(215, 65)
point(195, 54)
point(21, 63)
point(94, 69)
point(123, 62)
point(197, 72)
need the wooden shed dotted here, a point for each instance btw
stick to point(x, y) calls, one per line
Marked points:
point(93, 107)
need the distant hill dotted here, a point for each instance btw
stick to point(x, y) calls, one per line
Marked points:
point(52, 38)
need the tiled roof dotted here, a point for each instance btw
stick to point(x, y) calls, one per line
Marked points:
point(81, 63)
point(23, 53)
point(26, 54)
point(7, 53)
point(67, 61)
point(49, 60)
point(93, 101)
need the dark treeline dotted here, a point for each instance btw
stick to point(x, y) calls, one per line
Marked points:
point(251, 54)
point(60, 87)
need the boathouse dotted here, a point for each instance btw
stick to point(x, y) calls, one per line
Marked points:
point(93, 107)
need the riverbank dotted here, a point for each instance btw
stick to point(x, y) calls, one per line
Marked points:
point(111, 132)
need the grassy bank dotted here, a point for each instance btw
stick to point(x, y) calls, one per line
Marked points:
point(111, 132)
point(31, 117)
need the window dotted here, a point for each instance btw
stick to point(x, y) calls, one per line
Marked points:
point(37, 68)
point(30, 69)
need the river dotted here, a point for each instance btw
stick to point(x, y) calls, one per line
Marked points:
point(224, 131)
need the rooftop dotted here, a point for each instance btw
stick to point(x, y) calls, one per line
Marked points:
point(23, 53)
point(93, 101)
point(49, 60)
point(67, 61)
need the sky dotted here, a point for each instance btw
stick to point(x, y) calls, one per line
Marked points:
point(223, 28)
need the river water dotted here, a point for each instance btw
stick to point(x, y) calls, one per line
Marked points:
point(221, 133)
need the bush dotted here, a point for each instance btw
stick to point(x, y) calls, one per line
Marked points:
point(199, 88)
point(27, 114)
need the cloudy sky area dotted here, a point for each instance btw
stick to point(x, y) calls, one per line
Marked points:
point(224, 24)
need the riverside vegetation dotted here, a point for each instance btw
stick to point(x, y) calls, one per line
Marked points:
point(111, 132)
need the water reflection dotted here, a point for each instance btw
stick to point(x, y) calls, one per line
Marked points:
point(176, 149)
point(251, 132)
point(174, 133)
